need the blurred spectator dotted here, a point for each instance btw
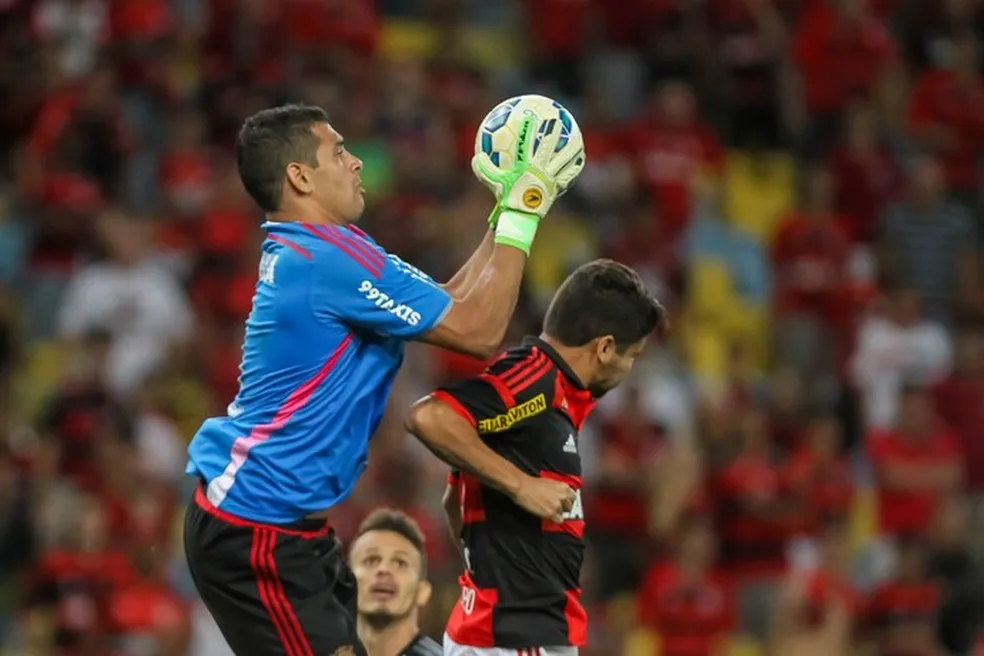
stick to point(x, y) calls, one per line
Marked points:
point(81, 413)
point(821, 475)
point(749, 37)
point(75, 30)
point(755, 520)
point(17, 538)
point(74, 581)
point(865, 174)
point(79, 129)
point(917, 464)
point(952, 563)
point(644, 245)
point(929, 29)
point(819, 605)
point(128, 295)
point(160, 444)
point(903, 612)
point(930, 243)
point(809, 256)
point(684, 599)
point(946, 116)
point(618, 499)
point(674, 151)
point(894, 346)
point(145, 615)
point(960, 402)
point(844, 53)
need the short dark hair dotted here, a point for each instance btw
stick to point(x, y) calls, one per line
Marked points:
point(601, 298)
point(395, 521)
point(270, 140)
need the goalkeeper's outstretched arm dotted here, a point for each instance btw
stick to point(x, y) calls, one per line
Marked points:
point(464, 279)
point(476, 324)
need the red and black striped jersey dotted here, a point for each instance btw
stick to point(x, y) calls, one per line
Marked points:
point(521, 584)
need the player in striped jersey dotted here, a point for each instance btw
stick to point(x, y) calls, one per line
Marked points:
point(390, 565)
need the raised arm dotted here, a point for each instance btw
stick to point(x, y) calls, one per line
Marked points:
point(464, 279)
point(477, 322)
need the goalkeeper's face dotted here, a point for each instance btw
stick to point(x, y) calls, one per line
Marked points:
point(388, 569)
point(611, 365)
point(336, 183)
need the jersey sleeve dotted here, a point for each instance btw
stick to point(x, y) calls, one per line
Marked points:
point(359, 284)
point(474, 399)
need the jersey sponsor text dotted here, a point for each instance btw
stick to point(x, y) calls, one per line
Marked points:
point(383, 301)
point(505, 421)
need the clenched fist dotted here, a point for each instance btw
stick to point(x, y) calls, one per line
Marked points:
point(545, 498)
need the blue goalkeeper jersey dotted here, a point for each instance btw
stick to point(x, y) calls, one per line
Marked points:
point(324, 340)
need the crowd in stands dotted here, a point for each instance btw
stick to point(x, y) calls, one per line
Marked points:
point(799, 469)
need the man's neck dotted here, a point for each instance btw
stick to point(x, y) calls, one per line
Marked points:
point(572, 356)
point(390, 640)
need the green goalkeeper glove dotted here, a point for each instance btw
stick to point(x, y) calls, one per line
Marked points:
point(525, 191)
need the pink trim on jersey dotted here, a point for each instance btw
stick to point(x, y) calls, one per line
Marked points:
point(347, 242)
point(300, 250)
point(220, 486)
point(356, 241)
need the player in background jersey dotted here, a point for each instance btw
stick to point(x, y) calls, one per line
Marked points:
point(324, 340)
point(520, 591)
point(388, 559)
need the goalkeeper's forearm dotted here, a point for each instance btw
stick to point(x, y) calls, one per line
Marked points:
point(476, 324)
point(462, 281)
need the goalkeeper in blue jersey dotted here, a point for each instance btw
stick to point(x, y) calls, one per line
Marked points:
point(331, 313)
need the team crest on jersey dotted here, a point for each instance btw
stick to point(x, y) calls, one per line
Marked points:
point(507, 420)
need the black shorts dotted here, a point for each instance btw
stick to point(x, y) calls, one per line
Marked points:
point(274, 590)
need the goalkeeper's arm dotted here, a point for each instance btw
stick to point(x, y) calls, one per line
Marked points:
point(477, 322)
point(462, 281)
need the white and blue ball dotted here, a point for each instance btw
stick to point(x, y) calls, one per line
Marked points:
point(498, 134)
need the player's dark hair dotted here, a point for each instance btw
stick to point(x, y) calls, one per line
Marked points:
point(394, 521)
point(601, 298)
point(270, 140)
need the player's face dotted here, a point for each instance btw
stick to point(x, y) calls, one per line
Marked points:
point(612, 366)
point(388, 568)
point(337, 182)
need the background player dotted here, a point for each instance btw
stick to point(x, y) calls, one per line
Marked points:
point(520, 589)
point(324, 339)
point(390, 567)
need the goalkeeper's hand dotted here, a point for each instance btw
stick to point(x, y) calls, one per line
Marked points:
point(526, 191)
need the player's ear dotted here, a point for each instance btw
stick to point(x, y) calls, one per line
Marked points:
point(299, 177)
point(605, 349)
point(424, 591)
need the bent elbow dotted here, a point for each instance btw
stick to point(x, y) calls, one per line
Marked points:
point(416, 418)
point(424, 419)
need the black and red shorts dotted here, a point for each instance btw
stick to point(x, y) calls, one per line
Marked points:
point(274, 590)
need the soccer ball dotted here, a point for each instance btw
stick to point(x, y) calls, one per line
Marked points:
point(498, 135)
